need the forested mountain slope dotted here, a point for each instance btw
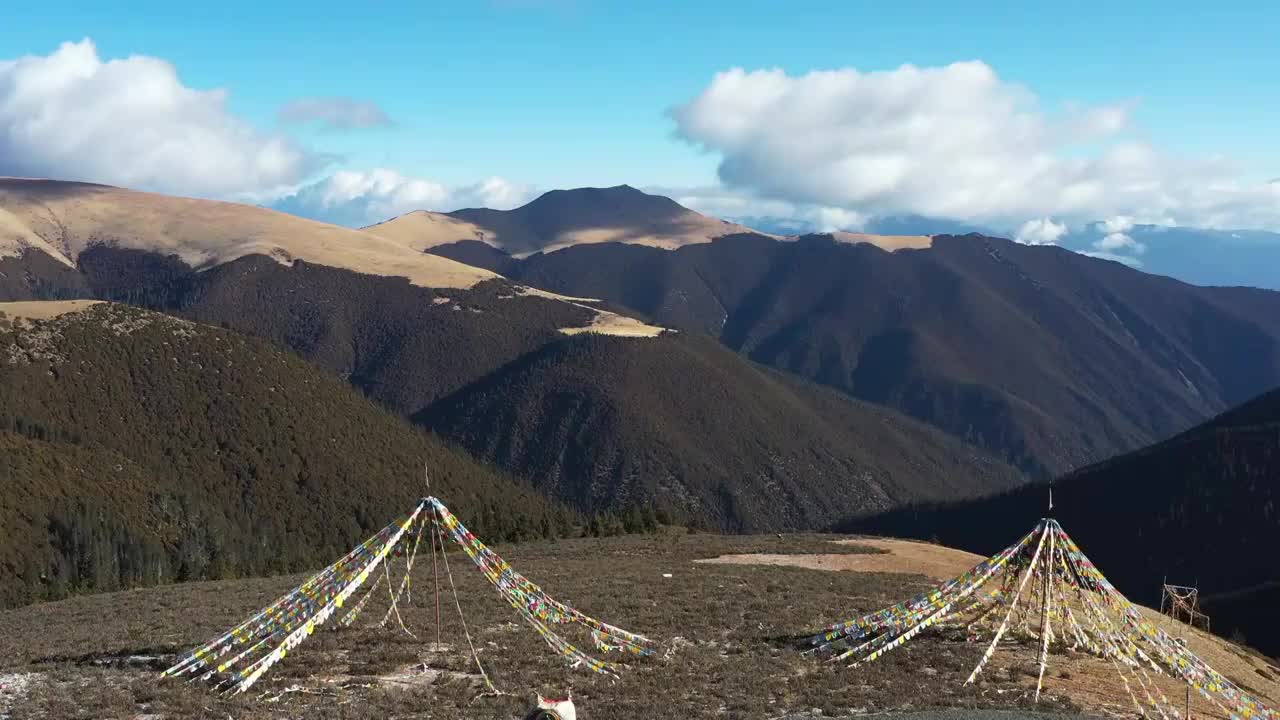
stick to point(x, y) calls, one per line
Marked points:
point(1050, 359)
point(683, 422)
point(141, 448)
point(1202, 508)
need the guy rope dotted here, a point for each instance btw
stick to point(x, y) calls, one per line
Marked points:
point(1046, 565)
point(238, 658)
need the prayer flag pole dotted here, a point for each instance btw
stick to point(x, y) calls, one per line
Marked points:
point(241, 656)
point(435, 568)
point(1113, 628)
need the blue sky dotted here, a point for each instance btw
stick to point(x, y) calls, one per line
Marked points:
point(576, 92)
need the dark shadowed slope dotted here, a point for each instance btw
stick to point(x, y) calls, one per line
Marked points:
point(138, 448)
point(31, 274)
point(1201, 508)
point(610, 423)
point(1051, 359)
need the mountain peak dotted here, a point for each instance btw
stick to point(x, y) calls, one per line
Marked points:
point(621, 213)
point(619, 198)
point(622, 189)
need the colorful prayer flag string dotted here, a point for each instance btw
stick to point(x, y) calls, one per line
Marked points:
point(1070, 592)
point(239, 657)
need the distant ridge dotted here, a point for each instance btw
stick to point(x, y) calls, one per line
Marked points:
point(64, 219)
point(563, 218)
point(560, 219)
point(1047, 359)
point(52, 231)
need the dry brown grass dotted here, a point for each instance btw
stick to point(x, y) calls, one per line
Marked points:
point(64, 219)
point(895, 556)
point(726, 635)
point(43, 309)
point(726, 638)
point(891, 243)
point(607, 323)
point(1091, 683)
point(16, 237)
point(423, 229)
point(690, 228)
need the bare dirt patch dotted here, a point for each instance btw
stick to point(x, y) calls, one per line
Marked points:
point(897, 556)
point(43, 309)
point(607, 323)
point(892, 243)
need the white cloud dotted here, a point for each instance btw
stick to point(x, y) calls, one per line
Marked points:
point(830, 219)
point(719, 202)
point(358, 198)
point(334, 113)
point(954, 142)
point(495, 193)
point(1116, 238)
point(1040, 232)
point(1112, 242)
point(131, 122)
point(1119, 242)
point(1118, 224)
point(801, 217)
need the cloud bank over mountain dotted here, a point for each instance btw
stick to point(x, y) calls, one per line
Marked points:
point(132, 122)
point(911, 148)
point(358, 198)
point(1043, 231)
point(956, 142)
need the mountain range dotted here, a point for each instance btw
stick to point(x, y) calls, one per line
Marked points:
point(254, 380)
point(1047, 358)
point(1201, 256)
point(908, 368)
point(563, 218)
point(1042, 358)
point(427, 347)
